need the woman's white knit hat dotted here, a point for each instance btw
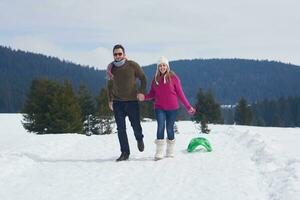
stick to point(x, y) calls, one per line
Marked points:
point(162, 60)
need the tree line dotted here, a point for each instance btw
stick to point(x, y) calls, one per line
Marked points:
point(54, 107)
point(282, 112)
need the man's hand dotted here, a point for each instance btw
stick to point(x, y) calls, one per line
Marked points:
point(140, 96)
point(110, 105)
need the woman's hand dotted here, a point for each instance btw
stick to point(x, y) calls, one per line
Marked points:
point(192, 111)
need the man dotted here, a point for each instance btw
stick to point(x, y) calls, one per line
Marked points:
point(122, 94)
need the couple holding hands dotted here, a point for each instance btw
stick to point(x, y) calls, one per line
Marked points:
point(123, 95)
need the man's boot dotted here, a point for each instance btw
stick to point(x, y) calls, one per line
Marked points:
point(140, 144)
point(123, 156)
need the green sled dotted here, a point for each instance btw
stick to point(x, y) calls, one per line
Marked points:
point(199, 141)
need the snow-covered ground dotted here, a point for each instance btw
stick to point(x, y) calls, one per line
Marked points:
point(246, 163)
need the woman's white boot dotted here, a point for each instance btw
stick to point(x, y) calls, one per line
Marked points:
point(159, 149)
point(170, 148)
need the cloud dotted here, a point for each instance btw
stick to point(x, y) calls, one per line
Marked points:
point(85, 31)
point(98, 57)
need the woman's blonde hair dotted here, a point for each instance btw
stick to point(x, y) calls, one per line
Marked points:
point(167, 76)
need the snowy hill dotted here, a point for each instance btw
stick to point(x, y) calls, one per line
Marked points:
point(246, 163)
point(255, 80)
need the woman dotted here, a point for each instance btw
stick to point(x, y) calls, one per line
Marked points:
point(165, 90)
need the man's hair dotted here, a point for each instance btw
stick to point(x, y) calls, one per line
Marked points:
point(118, 46)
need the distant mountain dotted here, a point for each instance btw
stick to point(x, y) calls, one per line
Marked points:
point(19, 68)
point(232, 78)
point(228, 78)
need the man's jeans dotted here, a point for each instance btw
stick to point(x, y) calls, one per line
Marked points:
point(165, 117)
point(130, 109)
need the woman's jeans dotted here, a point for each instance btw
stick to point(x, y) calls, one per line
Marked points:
point(165, 118)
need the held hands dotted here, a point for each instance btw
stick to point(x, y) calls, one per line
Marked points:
point(192, 111)
point(140, 96)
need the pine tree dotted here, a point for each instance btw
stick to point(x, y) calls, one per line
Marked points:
point(243, 114)
point(86, 102)
point(283, 112)
point(51, 108)
point(214, 114)
point(65, 111)
point(102, 104)
point(201, 112)
point(88, 110)
point(103, 119)
point(73, 111)
point(37, 117)
point(207, 110)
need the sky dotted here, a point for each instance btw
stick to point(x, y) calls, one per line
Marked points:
point(85, 31)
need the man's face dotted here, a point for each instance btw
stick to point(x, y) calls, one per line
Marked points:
point(118, 54)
